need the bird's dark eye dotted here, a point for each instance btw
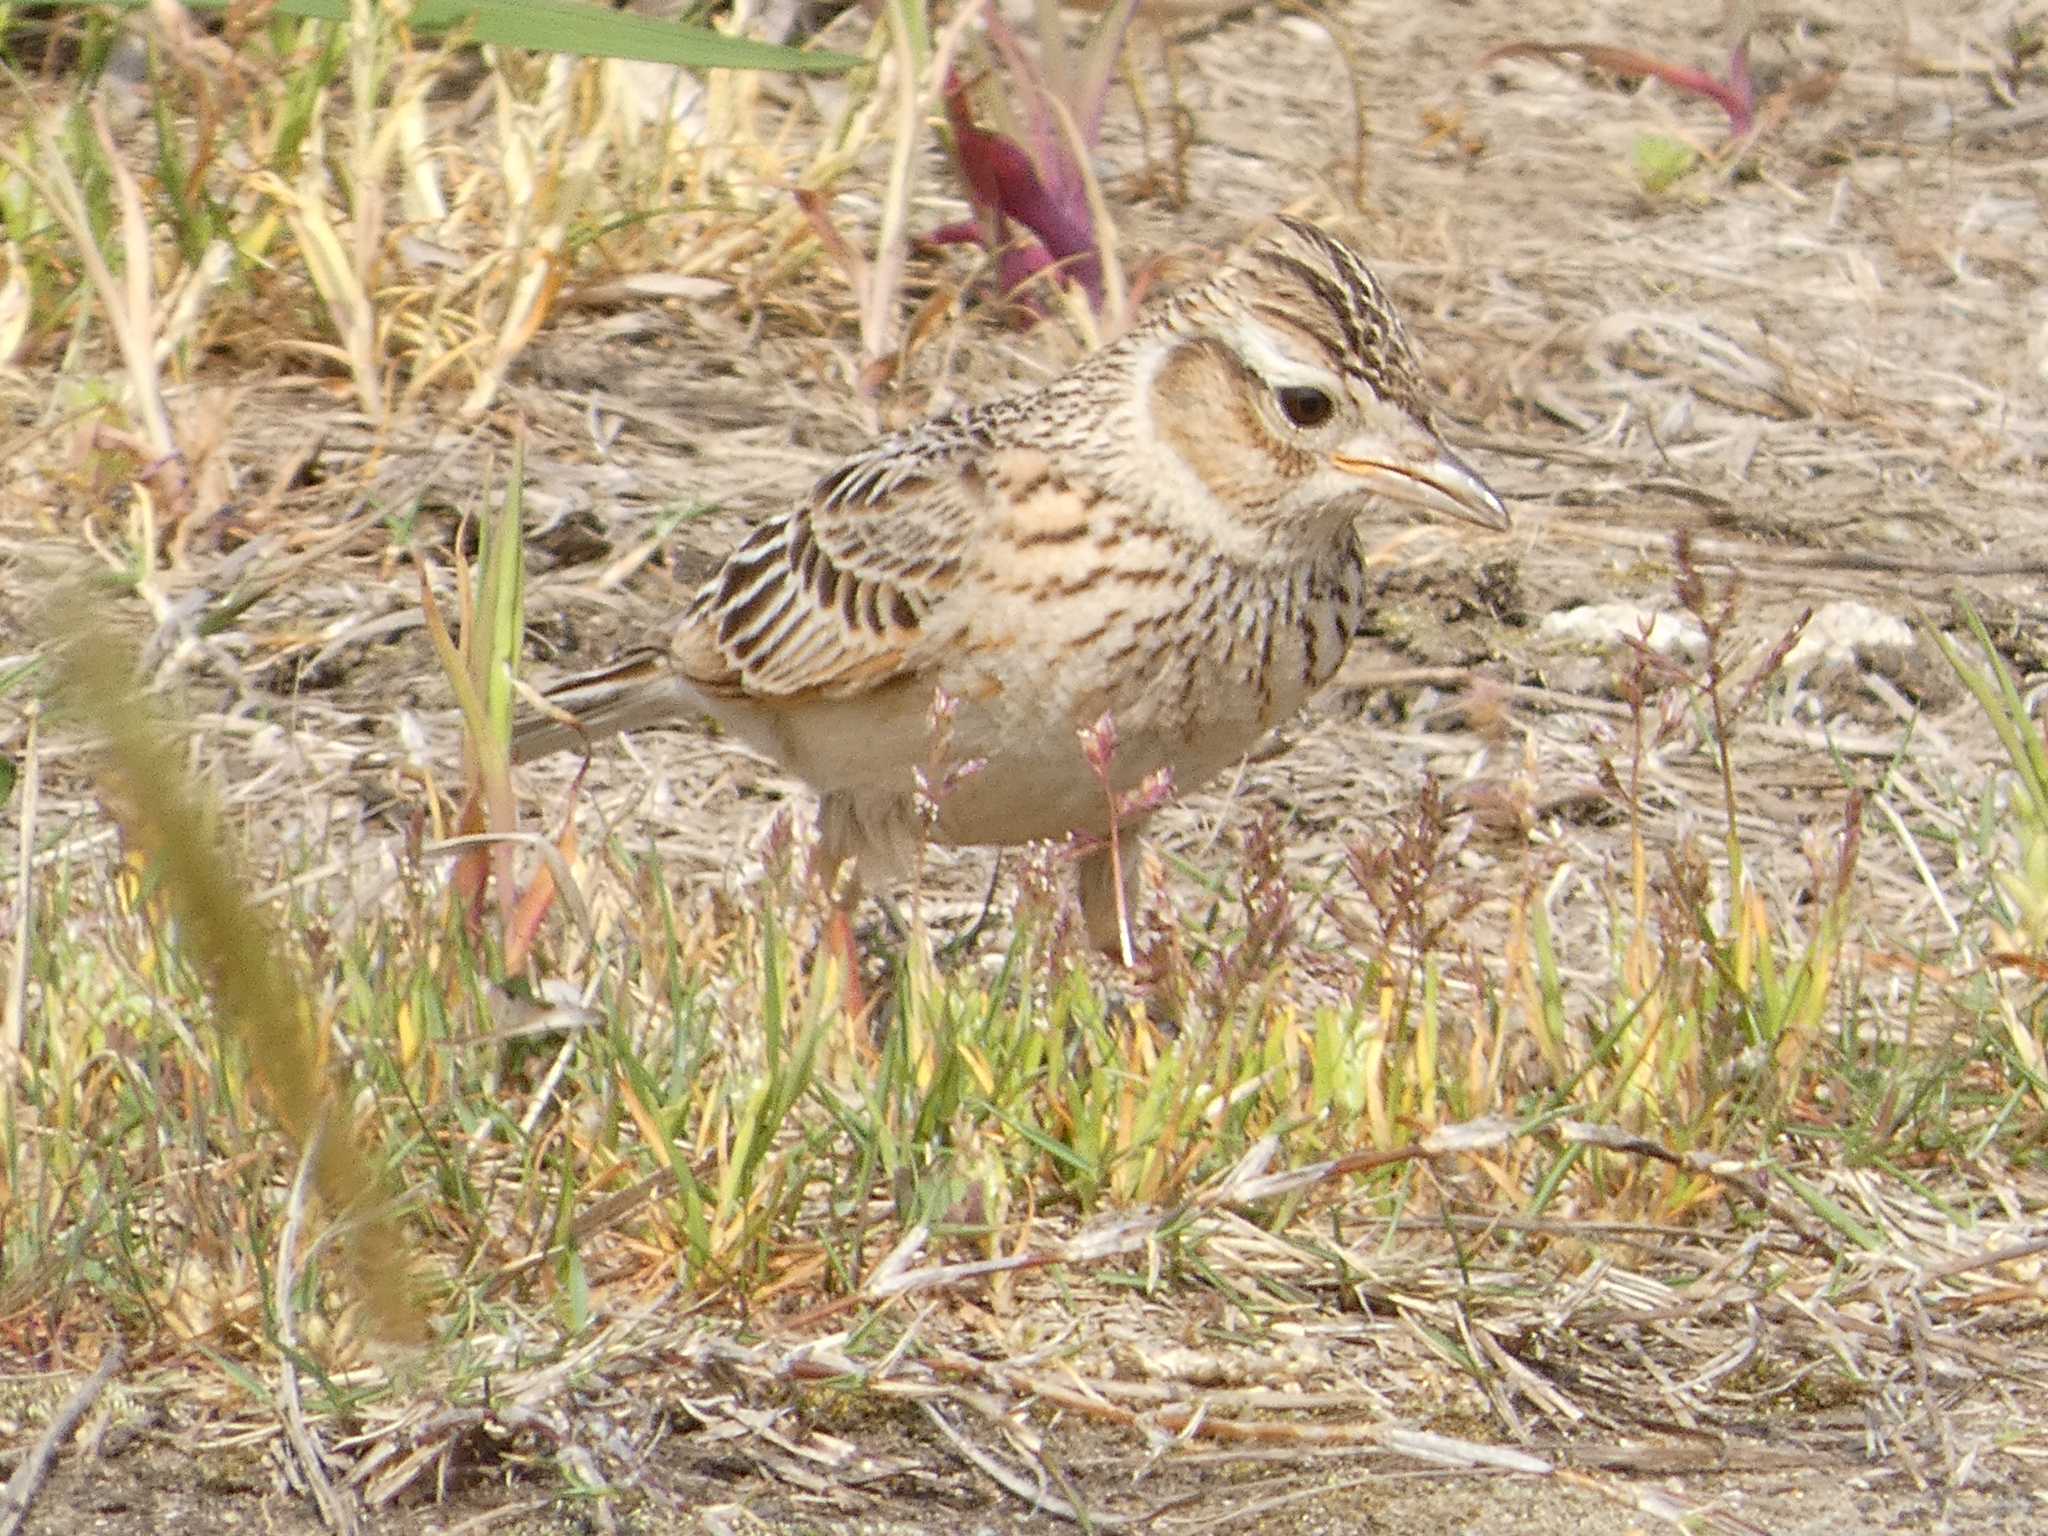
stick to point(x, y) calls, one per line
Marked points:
point(1304, 405)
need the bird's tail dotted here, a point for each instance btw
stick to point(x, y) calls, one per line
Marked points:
point(637, 691)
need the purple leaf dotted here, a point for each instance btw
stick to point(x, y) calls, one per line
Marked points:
point(1006, 184)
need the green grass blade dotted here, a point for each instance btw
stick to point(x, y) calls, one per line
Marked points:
point(562, 26)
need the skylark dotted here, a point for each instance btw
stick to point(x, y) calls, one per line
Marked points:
point(1164, 535)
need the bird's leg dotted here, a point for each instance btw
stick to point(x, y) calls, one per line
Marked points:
point(839, 940)
point(1109, 889)
point(841, 897)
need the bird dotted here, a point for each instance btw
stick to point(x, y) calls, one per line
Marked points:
point(1133, 571)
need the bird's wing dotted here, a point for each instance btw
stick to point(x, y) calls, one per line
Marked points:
point(838, 598)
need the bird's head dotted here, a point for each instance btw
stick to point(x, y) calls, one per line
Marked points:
point(1287, 386)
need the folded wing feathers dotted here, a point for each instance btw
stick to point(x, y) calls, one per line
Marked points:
point(833, 599)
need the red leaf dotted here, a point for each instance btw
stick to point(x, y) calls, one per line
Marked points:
point(1736, 95)
point(1005, 184)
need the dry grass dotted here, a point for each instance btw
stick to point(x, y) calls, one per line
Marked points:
point(1558, 1058)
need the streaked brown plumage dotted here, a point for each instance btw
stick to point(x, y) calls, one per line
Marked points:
point(1164, 535)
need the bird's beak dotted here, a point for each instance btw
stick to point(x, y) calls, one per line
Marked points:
point(1443, 484)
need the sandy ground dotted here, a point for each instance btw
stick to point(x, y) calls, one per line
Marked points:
point(1829, 369)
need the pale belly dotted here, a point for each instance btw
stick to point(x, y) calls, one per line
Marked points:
point(1189, 690)
point(1035, 778)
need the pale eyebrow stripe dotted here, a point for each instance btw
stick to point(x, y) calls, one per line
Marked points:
point(1334, 352)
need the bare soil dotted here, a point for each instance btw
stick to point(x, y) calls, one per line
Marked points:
point(1826, 366)
point(149, 1490)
